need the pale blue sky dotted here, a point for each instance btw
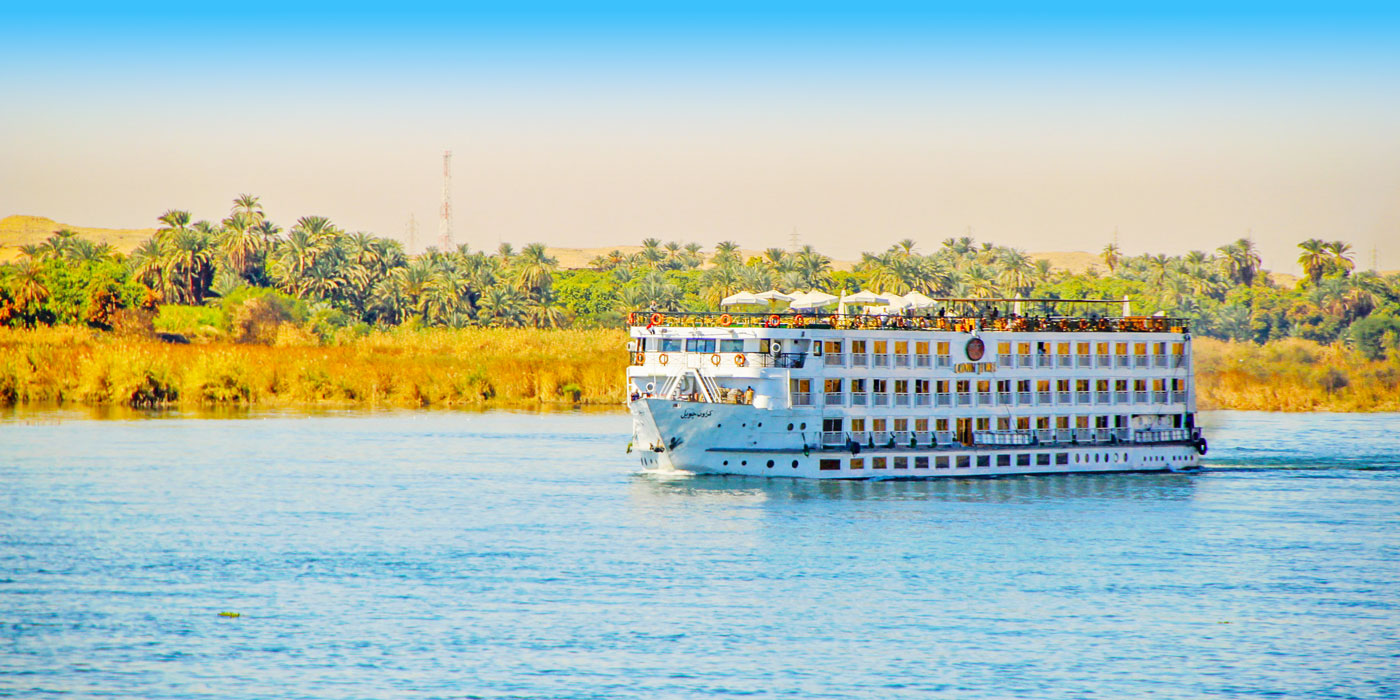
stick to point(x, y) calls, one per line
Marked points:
point(1184, 126)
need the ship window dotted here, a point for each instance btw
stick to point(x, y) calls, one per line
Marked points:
point(1003, 348)
point(964, 461)
point(857, 463)
point(901, 462)
point(901, 347)
point(670, 345)
point(857, 425)
point(770, 464)
point(921, 347)
point(984, 460)
point(1023, 460)
point(880, 347)
point(943, 348)
point(1043, 458)
point(1101, 422)
point(1003, 460)
point(921, 462)
point(731, 345)
point(940, 463)
point(878, 462)
point(700, 345)
point(941, 424)
point(828, 465)
point(921, 425)
point(829, 425)
point(877, 424)
point(858, 346)
point(1023, 423)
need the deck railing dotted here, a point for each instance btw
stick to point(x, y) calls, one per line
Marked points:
point(790, 319)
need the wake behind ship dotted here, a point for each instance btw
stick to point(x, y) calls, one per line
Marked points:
point(852, 396)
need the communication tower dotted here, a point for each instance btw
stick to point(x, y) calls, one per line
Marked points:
point(445, 221)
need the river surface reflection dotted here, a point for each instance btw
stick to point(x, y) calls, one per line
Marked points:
point(500, 554)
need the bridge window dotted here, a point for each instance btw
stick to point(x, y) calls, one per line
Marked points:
point(670, 345)
point(731, 345)
point(706, 345)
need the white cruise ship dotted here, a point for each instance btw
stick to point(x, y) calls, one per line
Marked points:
point(862, 397)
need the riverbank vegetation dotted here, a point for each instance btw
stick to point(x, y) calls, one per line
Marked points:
point(242, 287)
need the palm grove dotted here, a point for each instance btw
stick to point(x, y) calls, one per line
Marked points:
point(331, 281)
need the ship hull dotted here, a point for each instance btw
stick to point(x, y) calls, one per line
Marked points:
point(712, 438)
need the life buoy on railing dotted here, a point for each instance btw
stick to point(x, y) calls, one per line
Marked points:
point(641, 358)
point(664, 359)
point(632, 318)
point(799, 321)
point(741, 360)
point(1202, 446)
point(714, 360)
point(657, 319)
point(725, 320)
point(774, 320)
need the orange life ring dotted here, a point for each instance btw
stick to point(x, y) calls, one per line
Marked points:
point(656, 319)
point(714, 360)
point(741, 360)
point(799, 321)
point(725, 320)
point(664, 359)
point(632, 318)
point(774, 320)
point(641, 358)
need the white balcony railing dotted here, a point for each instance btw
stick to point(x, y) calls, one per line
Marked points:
point(835, 399)
point(1086, 360)
point(923, 361)
point(964, 399)
point(860, 360)
point(882, 361)
point(859, 399)
point(1064, 397)
point(881, 399)
point(923, 400)
point(1023, 398)
point(901, 360)
point(1004, 398)
point(1159, 397)
point(1065, 360)
point(1082, 397)
point(901, 399)
point(944, 400)
point(1104, 361)
point(1121, 397)
point(834, 359)
point(942, 361)
point(1123, 360)
point(802, 399)
point(1006, 360)
point(1140, 396)
point(1023, 360)
point(1105, 397)
point(1044, 398)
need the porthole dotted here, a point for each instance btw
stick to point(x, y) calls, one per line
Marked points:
point(726, 462)
point(760, 425)
point(794, 464)
point(789, 426)
point(744, 463)
point(804, 426)
point(770, 464)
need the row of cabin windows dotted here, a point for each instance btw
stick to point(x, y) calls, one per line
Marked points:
point(1022, 459)
point(901, 347)
point(943, 425)
point(921, 347)
point(986, 386)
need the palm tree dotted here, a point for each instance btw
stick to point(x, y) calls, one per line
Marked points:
point(501, 306)
point(775, 259)
point(718, 283)
point(249, 207)
point(1111, 255)
point(1017, 271)
point(651, 253)
point(1315, 258)
point(726, 252)
point(1341, 257)
point(1159, 262)
point(241, 243)
point(534, 269)
point(30, 292)
point(1241, 261)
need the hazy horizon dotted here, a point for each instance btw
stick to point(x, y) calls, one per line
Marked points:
point(1183, 127)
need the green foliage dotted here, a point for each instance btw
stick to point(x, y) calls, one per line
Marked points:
point(1376, 336)
point(333, 284)
point(191, 321)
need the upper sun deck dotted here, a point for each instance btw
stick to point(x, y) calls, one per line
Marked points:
point(914, 322)
point(967, 316)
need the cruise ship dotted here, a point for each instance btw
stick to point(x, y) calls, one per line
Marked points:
point(856, 396)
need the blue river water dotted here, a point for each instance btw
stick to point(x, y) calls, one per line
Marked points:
point(520, 555)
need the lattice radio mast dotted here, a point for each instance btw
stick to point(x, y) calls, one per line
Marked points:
point(445, 221)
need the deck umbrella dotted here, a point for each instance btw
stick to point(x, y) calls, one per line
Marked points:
point(741, 299)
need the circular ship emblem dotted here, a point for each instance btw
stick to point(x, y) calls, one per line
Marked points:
point(975, 349)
